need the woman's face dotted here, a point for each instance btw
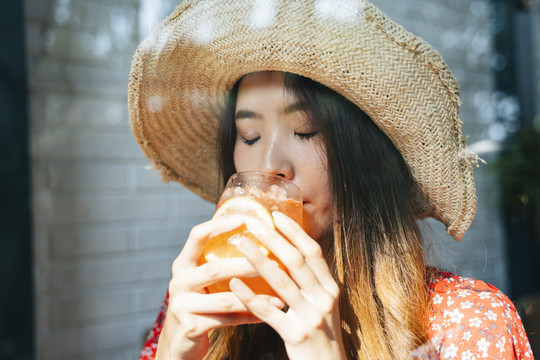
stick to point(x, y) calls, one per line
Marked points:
point(275, 136)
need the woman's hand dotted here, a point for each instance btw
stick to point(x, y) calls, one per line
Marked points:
point(311, 327)
point(192, 312)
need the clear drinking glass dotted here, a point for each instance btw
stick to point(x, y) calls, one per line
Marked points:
point(253, 194)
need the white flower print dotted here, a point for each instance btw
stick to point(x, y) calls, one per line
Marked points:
point(467, 305)
point(456, 316)
point(500, 343)
point(484, 295)
point(495, 304)
point(468, 355)
point(491, 315)
point(483, 345)
point(467, 335)
point(437, 299)
point(475, 322)
point(450, 352)
point(446, 323)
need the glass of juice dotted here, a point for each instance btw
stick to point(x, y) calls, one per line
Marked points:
point(254, 194)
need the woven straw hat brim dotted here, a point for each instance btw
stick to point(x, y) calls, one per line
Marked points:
point(182, 72)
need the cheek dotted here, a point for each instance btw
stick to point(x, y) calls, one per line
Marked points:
point(317, 183)
point(240, 157)
point(236, 157)
point(313, 160)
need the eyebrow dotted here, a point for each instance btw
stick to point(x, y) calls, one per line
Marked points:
point(296, 106)
point(248, 114)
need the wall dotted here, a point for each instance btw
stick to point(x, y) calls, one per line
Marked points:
point(107, 230)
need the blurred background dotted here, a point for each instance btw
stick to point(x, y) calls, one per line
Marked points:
point(88, 234)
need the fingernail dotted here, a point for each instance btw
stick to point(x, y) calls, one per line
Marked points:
point(253, 227)
point(279, 216)
point(246, 246)
point(236, 285)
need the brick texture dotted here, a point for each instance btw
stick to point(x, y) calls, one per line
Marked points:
point(107, 230)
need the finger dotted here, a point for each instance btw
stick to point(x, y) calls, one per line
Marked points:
point(309, 248)
point(211, 272)
point(195, 326)
point(260, 307)
point(278, 279)
point(294, 260)
point(218, 303)
point(199, 234)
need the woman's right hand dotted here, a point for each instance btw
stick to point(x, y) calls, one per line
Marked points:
point(192, 312)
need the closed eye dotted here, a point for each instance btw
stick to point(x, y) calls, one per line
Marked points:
point(306, 136)
point(250, 141)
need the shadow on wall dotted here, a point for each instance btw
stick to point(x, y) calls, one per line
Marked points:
point(16, 285)
point(529, 309)
point(518, 173)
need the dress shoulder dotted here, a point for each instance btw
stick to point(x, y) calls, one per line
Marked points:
point(471, 319)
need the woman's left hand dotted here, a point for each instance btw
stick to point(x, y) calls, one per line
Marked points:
point(311, 327)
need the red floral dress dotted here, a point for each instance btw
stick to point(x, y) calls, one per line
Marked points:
point(469, 320)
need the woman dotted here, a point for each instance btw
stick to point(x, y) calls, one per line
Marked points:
point(367, 125)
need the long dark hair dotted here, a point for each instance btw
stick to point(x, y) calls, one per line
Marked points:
point(375, 250)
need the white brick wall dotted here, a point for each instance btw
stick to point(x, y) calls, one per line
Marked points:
point(106, 230)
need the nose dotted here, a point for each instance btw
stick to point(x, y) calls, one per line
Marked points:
point(277, 159)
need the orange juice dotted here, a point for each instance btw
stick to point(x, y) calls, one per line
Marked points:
point(249, 202)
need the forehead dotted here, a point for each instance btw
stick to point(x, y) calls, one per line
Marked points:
point(269, 77)
point(266, 84)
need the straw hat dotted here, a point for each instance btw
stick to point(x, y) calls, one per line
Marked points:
point(181, 73)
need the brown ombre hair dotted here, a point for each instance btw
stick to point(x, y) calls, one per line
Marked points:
point(375, 249)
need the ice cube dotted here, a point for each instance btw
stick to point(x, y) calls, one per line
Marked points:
point(239, 191)
point(277, 193)
point(254, 192)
